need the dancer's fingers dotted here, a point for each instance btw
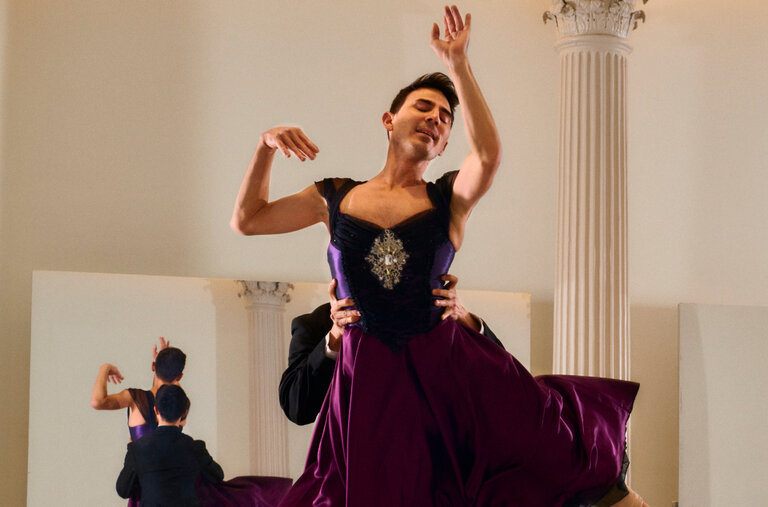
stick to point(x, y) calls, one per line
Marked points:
point(450, 19)
point(283, 147)
point(435, 35)
point(332, 290)
point(343, 303)
point(346, 317)
point(289, 144)
point(312, 146)
point(299, 142)
point(447, 294)
point(456, 16)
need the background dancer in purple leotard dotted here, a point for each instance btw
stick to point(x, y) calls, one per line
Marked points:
point(168, 367)
point(424, 411)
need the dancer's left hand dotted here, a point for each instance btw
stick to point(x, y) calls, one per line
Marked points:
point(453, 307)
point(452, 48)
point(450, 300)
point(164, 344)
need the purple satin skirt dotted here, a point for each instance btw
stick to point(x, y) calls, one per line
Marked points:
point(454, 420)
point(245, 491)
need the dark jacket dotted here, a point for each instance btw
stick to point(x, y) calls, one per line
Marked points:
point(306, 380)
point(165, 464)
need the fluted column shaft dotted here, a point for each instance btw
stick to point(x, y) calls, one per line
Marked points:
point(591, 321)
point(591, 297)
point(265, 302)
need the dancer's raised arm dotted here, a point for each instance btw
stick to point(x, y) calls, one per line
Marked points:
point(479, 167)
point(100, 399)
point(254, 213)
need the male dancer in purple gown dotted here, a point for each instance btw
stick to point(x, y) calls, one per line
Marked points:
point(430, 413)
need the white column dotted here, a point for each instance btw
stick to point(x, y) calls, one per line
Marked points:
point(591, 291)
point(265, 302)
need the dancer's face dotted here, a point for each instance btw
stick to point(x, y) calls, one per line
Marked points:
point(422, 123)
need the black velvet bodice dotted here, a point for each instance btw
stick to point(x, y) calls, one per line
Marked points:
point(390, 273)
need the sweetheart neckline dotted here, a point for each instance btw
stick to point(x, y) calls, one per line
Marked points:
point(400, 224)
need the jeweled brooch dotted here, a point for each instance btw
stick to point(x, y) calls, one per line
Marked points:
point(387, 259)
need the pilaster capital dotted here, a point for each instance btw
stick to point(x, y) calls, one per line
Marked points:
point(258, 293)
point(594, 17)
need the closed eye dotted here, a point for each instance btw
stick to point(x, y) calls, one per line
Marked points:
point(424, 106)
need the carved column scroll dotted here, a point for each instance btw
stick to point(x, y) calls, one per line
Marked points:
point(265, 302)
point(591, 291)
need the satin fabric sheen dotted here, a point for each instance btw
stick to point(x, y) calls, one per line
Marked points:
point(245, 491)
point(454, 420)
point(424, 412)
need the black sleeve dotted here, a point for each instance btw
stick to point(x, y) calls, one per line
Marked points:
point(306, 380)
point(209, 470)
point(127, 481)
point(445, 186)
point(491, 335)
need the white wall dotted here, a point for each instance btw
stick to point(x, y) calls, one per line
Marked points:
point(697, 196)
point(127, 127)
point(723, 444)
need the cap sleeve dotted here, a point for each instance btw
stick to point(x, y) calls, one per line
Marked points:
point(444, 189)
point(333, 191)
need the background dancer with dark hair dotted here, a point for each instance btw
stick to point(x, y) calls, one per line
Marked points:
point(163, 465)
point(168, 367)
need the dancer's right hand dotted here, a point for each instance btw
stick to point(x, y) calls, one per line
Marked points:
point(340, 316)
point(113, 374)
point(289, 140)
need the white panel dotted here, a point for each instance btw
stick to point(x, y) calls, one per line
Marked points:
point(305, 298)
point(723, 411)
point(508, 314)
point(80, 321)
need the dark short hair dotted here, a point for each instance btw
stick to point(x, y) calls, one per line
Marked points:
point(169, 364)
point(436, 81)
point(171, 402)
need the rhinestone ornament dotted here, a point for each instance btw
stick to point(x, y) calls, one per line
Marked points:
point(387, 259)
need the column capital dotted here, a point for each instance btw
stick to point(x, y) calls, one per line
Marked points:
point(265, 293)
point(594, 17)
